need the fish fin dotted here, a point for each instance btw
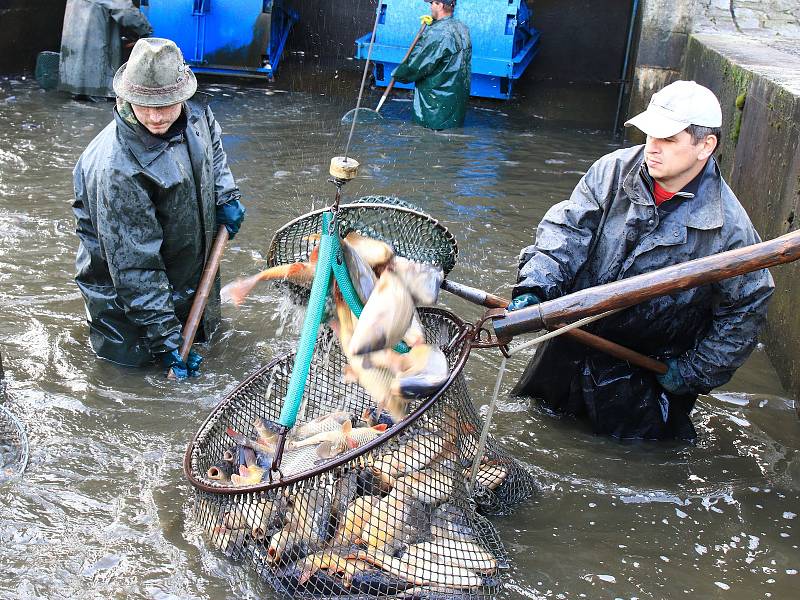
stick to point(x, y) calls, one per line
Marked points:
point(347, 426)
point(349, 375)
point(235, 435)
point(237, 291)
point(380, 427)
point(351, 443)
point(325, 450)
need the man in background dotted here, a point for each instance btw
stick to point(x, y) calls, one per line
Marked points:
point(91, 44)
point(440, 67)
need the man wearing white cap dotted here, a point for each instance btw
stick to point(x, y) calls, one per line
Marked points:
point(636, 210)
point(150, 192)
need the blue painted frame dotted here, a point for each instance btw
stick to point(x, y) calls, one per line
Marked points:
point(504, 41)
point(225, 37)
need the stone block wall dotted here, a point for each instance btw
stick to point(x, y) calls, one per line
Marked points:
point(759, 89)
point(753, 17)
point(665, 26)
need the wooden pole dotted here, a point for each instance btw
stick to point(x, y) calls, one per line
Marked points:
point(584, 337)
point(202, 294)
point(405, 58)
point(670, 280)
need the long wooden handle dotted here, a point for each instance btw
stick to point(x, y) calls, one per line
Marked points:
point(202, 293)
point(405, 58)
point(584, 337)
point(670, 280)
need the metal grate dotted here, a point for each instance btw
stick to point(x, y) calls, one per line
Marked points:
point(391, 518)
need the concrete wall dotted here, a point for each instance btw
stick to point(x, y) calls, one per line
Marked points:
point(664, 32)
point(329, 28)
point(26, 28)
point(760, 158)
point(667, 24)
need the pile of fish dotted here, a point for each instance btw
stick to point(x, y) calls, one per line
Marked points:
point(394, 522)
point(308, 445)
point(390, 288)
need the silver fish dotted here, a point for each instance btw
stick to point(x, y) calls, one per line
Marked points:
point(386, 317)
point(430, 486)
point(423, 280)
point(307, 527)
point(456, 553)
point(419, 572)
point(375, 253)
point(361, 274)
point(323, 423)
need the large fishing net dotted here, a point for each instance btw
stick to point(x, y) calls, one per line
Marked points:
point(391, 514)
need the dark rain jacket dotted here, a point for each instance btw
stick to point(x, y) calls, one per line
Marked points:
point(611, 229)
point(91, 43)
point(440, 67)
point(146, 225)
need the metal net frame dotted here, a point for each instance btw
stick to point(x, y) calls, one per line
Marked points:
point(411, 233)
point(395, 517)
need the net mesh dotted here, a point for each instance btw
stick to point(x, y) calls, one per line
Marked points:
point(411, 233)
point(46, 72)
point(391, 516)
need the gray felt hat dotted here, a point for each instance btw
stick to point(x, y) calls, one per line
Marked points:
point(155, 75)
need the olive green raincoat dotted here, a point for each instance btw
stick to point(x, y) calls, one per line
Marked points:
point(439, 66)
point(146, 217)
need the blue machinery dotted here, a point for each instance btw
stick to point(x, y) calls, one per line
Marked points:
point(504, 41)
point(224, 37)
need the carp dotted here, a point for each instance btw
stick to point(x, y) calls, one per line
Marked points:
point(423, 280)
point(385, 319)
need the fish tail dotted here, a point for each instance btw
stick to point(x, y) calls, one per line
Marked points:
point(238, 290)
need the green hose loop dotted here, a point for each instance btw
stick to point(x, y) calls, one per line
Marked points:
point(330, 261)
point(308, 335)
point(342, 276)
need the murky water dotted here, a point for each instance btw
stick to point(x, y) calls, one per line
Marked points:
point(102, 511)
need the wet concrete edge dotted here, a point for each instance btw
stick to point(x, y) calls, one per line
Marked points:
point(759, 89)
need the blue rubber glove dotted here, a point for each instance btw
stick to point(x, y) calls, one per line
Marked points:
point(231, 214)
point(672, 380)
point(172, 360)
point(523, 301)
point(181, 369)
point(193, 363)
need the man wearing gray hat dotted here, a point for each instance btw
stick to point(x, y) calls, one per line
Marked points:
point(150, 192)
point(636, 210)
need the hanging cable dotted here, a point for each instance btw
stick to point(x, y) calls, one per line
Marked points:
point(363, 81)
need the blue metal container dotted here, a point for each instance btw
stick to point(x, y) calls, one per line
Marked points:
point(224, 37)
point(504, 41)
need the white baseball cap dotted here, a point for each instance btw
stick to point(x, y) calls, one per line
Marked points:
point(675, 107)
